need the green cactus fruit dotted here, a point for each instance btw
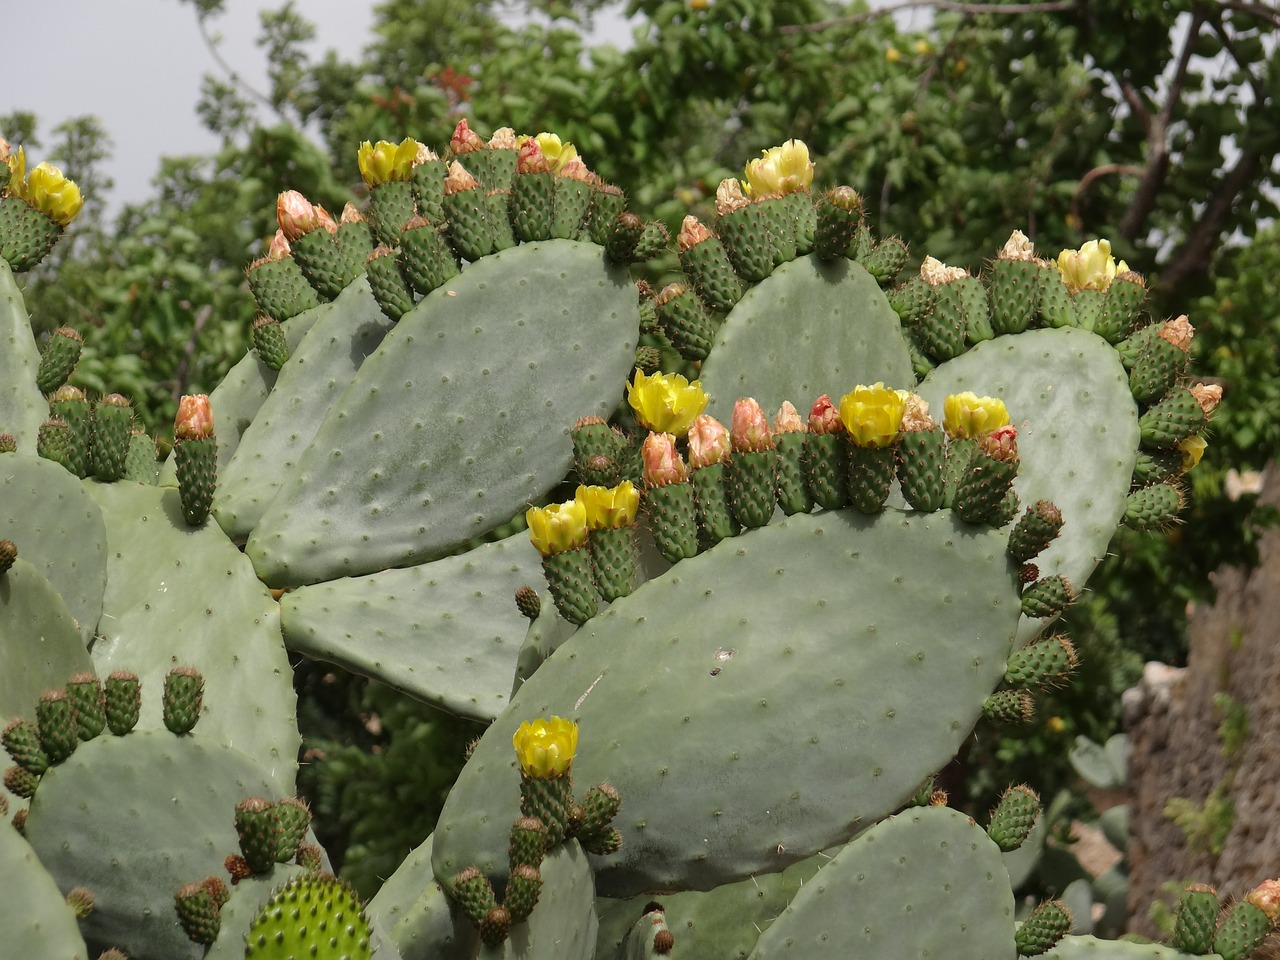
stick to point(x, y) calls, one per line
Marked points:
point(1014, 289)
point(706, 263)
point(912, 300)
point(1121, 307)
point(573, 201)
point(838, 211)
point(84, 690)
point(685, 321)
point(59, 359)
point(528, 842)
point(468, 223)
point(55, 441)
point(72, 406)
point(533, 197)
point(1086, 306)
point(425, 258)
point(140, 463)
point(528, 602)
point(1045, 663)
point(112, 429)
point(711, 503)
point(22, 742)
point(314, 916)
point(392, 204)
point(549, 800)
point(21, 782)
point(1056, 307)
point(387, 282)
point(499, 203)
point(654, 241)
point(258, 826)
point(8, 554)
point(473, 892)
point(1048, 597)
point(8, 444)
point(596, 447)
point(573, 587)
point(280, 287)
point(940, 333)
point(324, 263)
point(183, 699)
point(648, 359)
point(354, 241)
point(1196, 920)
point(599, 807)
point(1014, 817)
point(198, 912)
point(1045, 926)
point(268, 340)
point(1034, 531)
point(602, 844)
point(1172, 420)
point(749, 241)
point(196, 459)
point(294, 816)
point(672, 514)
point(123, 695)
point(982, 487)
point(886, 261)
point(80, 900)
point(977, 310)
point(523, 889)
point(871, 472)
point(793, 490)
point(826, 469)
point(781, 217)
point(921, 365)
point(1131, 348)
point(614, 561)
point(804, 211)
point(921, 468)
point(1241, 931)
point(56, 723)
point(1155, 507)
point(20, 822)
point(753, 485)
point(494, 167)
point(428, 188)
point(607, 203)
point(495, 926)
point(1156, 369)
point(1157, 466)
point(623, 237)
point(26, 234)
point(1009, 706)
point(310, 857)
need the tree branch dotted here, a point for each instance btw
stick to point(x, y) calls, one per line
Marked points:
point(1106, 170)
point(1054, 6)
point(230, 71)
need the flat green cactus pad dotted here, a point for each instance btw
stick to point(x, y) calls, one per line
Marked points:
point(415, 911)
point(133, 818)
point(1091, 948)
point(183, 596)
point(926, 883)
point(810, 328)
point(34, 919)
point(447, 632)
point(759, 702)
point(22, 407)
point(460, 418)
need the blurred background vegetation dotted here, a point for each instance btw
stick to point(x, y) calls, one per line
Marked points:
point(1149, 123)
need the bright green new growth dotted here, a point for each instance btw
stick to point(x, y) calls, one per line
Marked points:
point(310, 916)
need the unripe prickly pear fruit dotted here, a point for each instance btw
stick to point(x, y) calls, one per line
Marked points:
point(1155, 507)
point(183, 698)
point(61, 355)
point(1044, 663)
point(528, 602)
point(21, 782)
point(1241, 931)
point(602, 844)
point(295, 816)
point(1034, 531)
point(8, 443)
point(523, 890)
point(22, 742)
point(474, 893)
point(86, 695)
point(195, 451)
point(1196, 920)
point(268, 340)
point(123, 701)
point(56, 722)
point(8, 554)
point(1010, 706)
point(1014, 817)
point(258, 825)
point(495, 926)
point(1045, 926)
point(199, 914)
point(1048, 597)
point(80, 900)
point(528, 842)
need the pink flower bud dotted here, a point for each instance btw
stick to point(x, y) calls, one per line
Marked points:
point(530, 158)
point(504, 138)
point(1208, 395)
point(692, 232)
point(749, 432)
point(708, 442)
point(662, 464)
point(1001, 444)
point(297, 216)
point(195, 418)
point(1266, 897)
point(464, 139)
point(279, 248)
point(576, 169)
point(459, 179)
point(824, 417)
point(787, 420)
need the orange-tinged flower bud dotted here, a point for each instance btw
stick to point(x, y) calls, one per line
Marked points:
point(384, 161)
point(459, 179)
point(545, 747)
point(1179, 332)
point(1017, 247)
point(279, 248)
point(917, 416)
point(662, 463)
point(609, 508)
point(576, 169)
point(665, 403)
point(730, 197)
point(504, 138)
point(692, 233)
point(4, 150)
point(530, 159)
point(708, 442)
point(1266, 897)
point(749, 429)
point(1192, 450)
point(824, 418)
point(1001, 444)
point(195, 418)
point(787, 420)
point(351, 214)
point(873, 415)
point(968, 415)
point(298, 216)
point(1208, 395)
point(557, 527)
point(464, 139)
point(557, 153)
point(1091, 267)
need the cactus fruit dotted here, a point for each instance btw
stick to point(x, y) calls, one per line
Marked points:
point(1196, 920)
point(183, 699)
point(1241, 931)
point(258, 826)
point(8, 554)
point(84, 690)
point(123, 701)
point(1044, 927)
point(310, 916)
point(60, 357)
point(1014, 817)
point(56, 723)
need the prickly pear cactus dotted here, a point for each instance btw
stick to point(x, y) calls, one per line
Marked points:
point(770, 629)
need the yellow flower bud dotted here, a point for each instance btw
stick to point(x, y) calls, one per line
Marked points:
point(1192, 450)
point(558, 527)
point(557, 153)
point(1091, 267)
point(665, 403)
point(779, 171)
point(609, 508)
point(968, 415)
point(873, 415)
point(545, 748)
point(46, 189)
point(384, 161)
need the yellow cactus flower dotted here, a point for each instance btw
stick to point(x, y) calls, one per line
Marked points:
point(545, 748)
point(609, 508)
point(969, 415)
point(1192, 450)
point(17, 163)
point(873, 415)
point(665, 402)
point(556, 152)
point(384, 161)
point(45, 189)
point(558, 527)
point(1091, 267)
point(779, 171)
